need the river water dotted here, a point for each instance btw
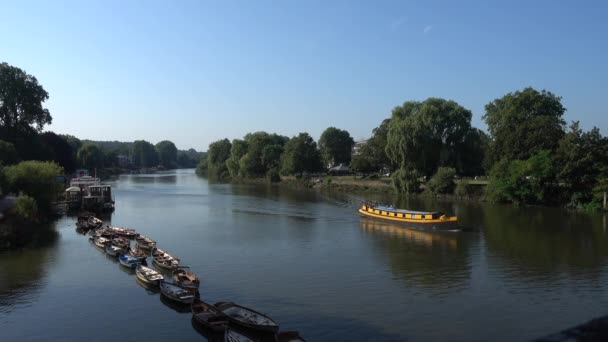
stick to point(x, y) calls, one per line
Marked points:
point(310, 262)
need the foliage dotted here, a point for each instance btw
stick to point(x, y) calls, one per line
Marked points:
point(443, 181)
point(336, 146)
point(406, 180)
point(58, 149)
point(523, 123)
point(463, 189)
point(263, 153)
point(218, 153)
point(300, 155)
point(599, 189)
point(372, 156)
point(429, 134)
point(143, 154)
point(21, 104)
point(581, 157)
point(167, 153)
point(237, 151)
point(272, 176)
point(527, 181)
point(36, 179)
point(202, 169)
point(189, 158)
point(90, 156)
point(26, 207)
point(8, 153)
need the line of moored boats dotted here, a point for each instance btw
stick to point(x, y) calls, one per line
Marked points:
point(222, 321)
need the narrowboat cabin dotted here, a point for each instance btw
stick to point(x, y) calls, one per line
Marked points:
point(414, 219)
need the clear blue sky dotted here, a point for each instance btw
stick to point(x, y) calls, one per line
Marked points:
point(196, 71)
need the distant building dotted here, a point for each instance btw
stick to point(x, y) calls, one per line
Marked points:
point(357, 147)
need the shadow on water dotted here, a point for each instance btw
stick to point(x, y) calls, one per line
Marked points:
point(437, 261)
point(177, 307)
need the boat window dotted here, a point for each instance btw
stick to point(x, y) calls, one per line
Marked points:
point(370, 210)
point(428, 217)
point(400, 215)
point(417, 217)
point(409, 216)
point(383, 212)
point(391, 214)
point(376, 211)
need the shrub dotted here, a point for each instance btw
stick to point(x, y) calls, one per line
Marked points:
point(36, 179)
point(443, 181)
point(26, 207)
point(463, 189)
point(406, 181)
point(272, 176)
point(8, 153)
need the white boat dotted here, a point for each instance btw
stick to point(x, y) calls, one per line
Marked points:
point(176, 293)
point(101, 241)
point(164, 260)
point(114, 250)
point(128, 261)
point(148, 275)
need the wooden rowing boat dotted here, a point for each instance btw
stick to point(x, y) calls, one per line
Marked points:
point(176, 293)
point(121, 242)
point(101, 241)
point(144, 242)
point(232, 335)
point(209, 316)
point(138, 253)
point(113, 250)
point(186, 279)
point(289, 336)
point(247, 317)
point(164, 260)
point(128, 261)
point(148, 275)
point(124, 232)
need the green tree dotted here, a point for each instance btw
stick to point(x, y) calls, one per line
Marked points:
point(336, 146)
point(21, 104)
point(406, 180)
point(523, 123)
point(429, 134)
point(256, 163)
point(167, 153)
point(301, 155)
point(237, 151)
point(442, 182)
point(372, 155)
point(582, 158)
point(218, 153)
point(36, 179)
point(529, 181)
point(90, 156)
point(26, 207)
point(58, 149)
point(8, 153)
point(144, 154)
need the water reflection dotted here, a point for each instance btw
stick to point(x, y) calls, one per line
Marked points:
point(437, 261)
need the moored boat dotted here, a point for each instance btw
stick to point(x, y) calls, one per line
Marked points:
point(176, 293)
point(415, 219)
point(101, 241)
point(232, 335)
point(185, 278)
point(144, 242)
point(289, 336)
point(121, 242)
point(93, 222)
point(247, 317)
point(138, 253)
point(209, 316)
point(148, 275)
point(114, 250)
point(164, 260)
point(124, 232)
point(128, 261)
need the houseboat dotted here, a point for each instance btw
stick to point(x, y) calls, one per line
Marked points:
point(88, 193)
point(414, 219)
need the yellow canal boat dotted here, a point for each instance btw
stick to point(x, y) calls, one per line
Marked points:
point(416, 219)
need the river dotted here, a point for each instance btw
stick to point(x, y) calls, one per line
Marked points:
point(310, 262)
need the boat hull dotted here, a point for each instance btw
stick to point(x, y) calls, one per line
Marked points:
point(450, 223)
point(267, 328)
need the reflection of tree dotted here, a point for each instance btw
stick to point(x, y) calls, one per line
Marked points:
point(438, 261)
point(21, 271)
point(545, 241)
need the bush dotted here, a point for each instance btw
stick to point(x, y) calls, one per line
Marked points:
point(463, 189)
point(36, 179)
point(8, 153)
point(26, 207)
point(272, 176)
point(406, 181)
point(202, 168)
point(443, 181)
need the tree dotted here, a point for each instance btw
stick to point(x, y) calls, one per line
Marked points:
point(529, 181)
point(301, 155)
point(406, 180)
point(442, 182)
point(90, 156)
point(523, 123)
point(36, 179)
point(167, 153)
point(336, 146)
point(21, 104)
point(581, 158)
point(218, 153)
point(58, 149)
point(237, 151)
point(8, 154)
point(144, 154)
point(429, 134)
point(372, 155)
